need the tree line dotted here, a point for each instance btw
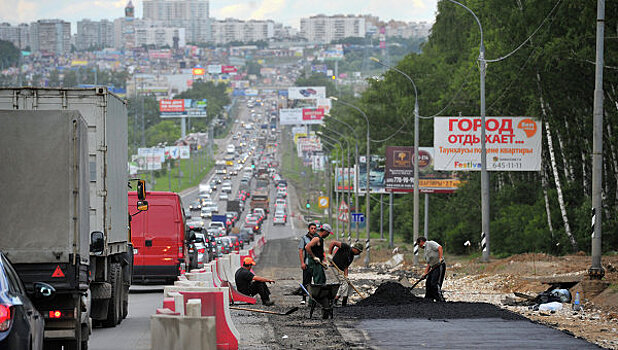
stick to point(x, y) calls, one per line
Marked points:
point(550, 78)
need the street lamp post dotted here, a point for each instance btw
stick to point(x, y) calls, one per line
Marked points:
point(330, 117)
point(367, 199)
point(484, 174)
point(348, 158)
point(416, 142)
point(343, 137)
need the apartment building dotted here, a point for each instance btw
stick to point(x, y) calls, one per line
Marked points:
point(324, 29)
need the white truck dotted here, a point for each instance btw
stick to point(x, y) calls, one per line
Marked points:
point(110, 269)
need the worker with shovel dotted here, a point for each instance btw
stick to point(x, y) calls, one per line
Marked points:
point(250, 284)
point(435, 270)
point(315, 250)
point(304, 258)
point(344, 256)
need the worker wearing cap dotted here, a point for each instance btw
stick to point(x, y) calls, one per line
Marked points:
point(250, 284)
point(315, 250)
point(304, 257)
point(435, 270)
point(343, 258)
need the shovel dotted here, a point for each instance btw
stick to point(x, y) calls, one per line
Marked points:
point(346, 279)
point(289, 312)
point(423, 277)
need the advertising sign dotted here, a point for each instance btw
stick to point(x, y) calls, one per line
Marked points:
point(432, 181)
point(334, 52)
point(399, 172)
point(185, 152)
point(172, 152)
point(306, 92)
point(172, 106)
point(290, 116)
point(228, 69)
point(513, 143)
point(324, 103)
point(187, 108)
point(344, 179)
point(214, 69)
point(376, 174)
point(198, 71)
point(313, 115)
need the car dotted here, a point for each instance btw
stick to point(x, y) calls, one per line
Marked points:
point(226, 244)
point(282, 194)
point(279, 218)
point(206, 212)
point(232, 216)
point(261, 212)
point(195, 224)
point(280, 202)
point(198, 255)
point(223, 196)
point(21, 325)
point(226, 187)
point(249, 232)
point(213, 184)
point(307, 92)
point(221, 247)
point(195, 205)
point(237, 244)
point(218, 225)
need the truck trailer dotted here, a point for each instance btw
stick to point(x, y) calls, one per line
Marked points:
point(105, 116)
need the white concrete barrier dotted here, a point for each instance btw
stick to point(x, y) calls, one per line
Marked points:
point(182, 333)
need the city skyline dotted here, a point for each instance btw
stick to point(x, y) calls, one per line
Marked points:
point(288, 12)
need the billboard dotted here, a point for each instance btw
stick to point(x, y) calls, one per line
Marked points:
point(513, 143)
point(313, 115)
point(172, 106)
point(398, 171)
point(300, 116)
point(214, 69)
point(376, 174)
point(432, 181)
point(324, 103)
point(306, 92)
point(344, 179)
point(198, 71)
point(228, 69)
point(183, 108)
point(290, 116)
point(334, 52)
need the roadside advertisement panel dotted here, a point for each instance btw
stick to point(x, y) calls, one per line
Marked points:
point(344, 179)
point(214, 69)
point(228, 69)
point(398, 171)
point(290, 116)
point(513, 143)
point(312, 115)
point(306, 92)
point(432, 181)
point(198, 71)
point(325, 104)
point(185, 152)
point(376, 174)
point(172, 106)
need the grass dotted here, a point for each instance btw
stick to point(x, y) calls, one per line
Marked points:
point(193, 171)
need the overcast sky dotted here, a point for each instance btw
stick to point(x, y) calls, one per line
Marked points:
point(288, 12)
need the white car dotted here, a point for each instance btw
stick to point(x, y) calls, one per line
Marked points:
point(226, 187)
point(223, 196)
point(279, 218)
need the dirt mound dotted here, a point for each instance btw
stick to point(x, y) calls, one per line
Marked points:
point(390, 293)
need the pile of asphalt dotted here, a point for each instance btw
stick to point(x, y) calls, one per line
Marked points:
point(390, 293)
point(392, 300)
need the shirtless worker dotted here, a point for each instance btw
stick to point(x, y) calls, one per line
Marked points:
point(344, 256)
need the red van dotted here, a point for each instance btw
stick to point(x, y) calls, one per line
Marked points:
point(158, 237)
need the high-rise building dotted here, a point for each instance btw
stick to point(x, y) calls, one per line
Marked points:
point(193, 15)
point(147, 34)
point(94, 34)
point(324, 29)
point(52, 36)
point(230, 29)
point(18, 35)
point(124, 29)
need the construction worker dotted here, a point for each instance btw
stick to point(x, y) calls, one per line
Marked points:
point(250, 284)
point(304, 258)
point(435, 270)
point(315, 250)
point(344, 256)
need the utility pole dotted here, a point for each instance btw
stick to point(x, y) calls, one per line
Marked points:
point(596, 271)
point(390, 220)
point(381, 216)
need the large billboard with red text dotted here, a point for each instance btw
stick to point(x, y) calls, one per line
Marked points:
point(513, 143)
